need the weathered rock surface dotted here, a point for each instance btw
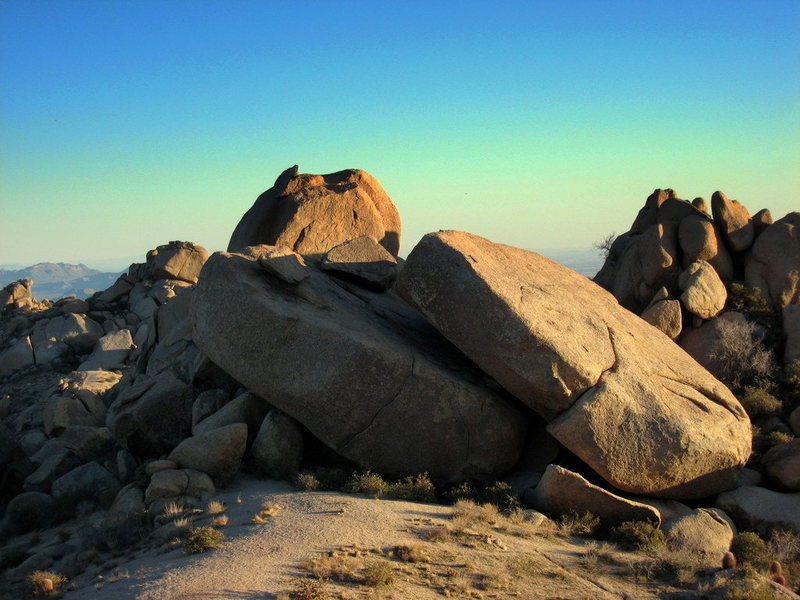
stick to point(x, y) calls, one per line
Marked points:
point(17, 357)
point(152, 416)
point(217, 452)
point(246, 408)
point(773, 264)
point(704, 294)
point(700, 240)
point(762, 510)
point(177, 260)
point(782, 464)
point(364, 260)
point(109, 352)
point(278, 448)
point(285, 264)
point(628, 401)
point(90, 478)
point(28, 511)
point(376, 364)
point(791, 330)
point(179, 483)
point(561, 491)
point(16, 295)
point(313, 213)
point(734, 221)
point(761, 220)
point(665, 315)
point(705, 531)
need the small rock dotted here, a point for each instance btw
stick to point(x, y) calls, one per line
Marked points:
point(284, 264)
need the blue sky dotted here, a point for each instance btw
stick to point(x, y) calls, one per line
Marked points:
point(540, 124)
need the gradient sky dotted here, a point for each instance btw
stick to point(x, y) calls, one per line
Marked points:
point(124, 125)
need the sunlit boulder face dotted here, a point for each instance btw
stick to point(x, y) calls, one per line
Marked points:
point(361, 370)
point(617, 391)
point(313, 213)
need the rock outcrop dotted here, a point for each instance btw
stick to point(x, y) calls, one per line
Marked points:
point(773, 264)
point(619, 394)
point(313, 213)
point(354, 366)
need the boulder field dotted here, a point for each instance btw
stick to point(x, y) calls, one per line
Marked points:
point(310, 343)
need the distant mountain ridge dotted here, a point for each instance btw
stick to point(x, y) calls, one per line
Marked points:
point(56, 280)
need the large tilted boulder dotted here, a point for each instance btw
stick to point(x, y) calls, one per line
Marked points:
point(704, 294)
point(773, 264)
point(313, 213)
point(361, 370)
point(619, 393)
point(560, 491)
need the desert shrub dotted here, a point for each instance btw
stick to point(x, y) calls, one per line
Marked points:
point(201, 539)
point(498, 493)
point(750, 550)
point(603, 246)
point(336, 568)
point(41, 583)
point(120, 532)
point(368, 483)
point(467, 510)
point(411, 554)
point(766, 441)
point(749, 589)
point(791, 376)
point(416, 489)
point(638, 535)
point(752, 303)
point(307, 589)
point(741, 355)
point(758, 401)
point(378, 573)
point(307, 482)
point(463, 491)
point(582, 524)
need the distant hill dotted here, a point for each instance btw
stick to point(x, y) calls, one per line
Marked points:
point(56, 280)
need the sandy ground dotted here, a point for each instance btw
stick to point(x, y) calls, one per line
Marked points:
point(261, 561)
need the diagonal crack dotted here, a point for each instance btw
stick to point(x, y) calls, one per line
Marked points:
point(382, 408)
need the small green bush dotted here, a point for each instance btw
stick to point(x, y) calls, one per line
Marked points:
point(750, 550)
point(638, 535)
point(499, 493)
point(415, 489)
point(791, 375)
point(368, 483)
point(307, 482)
point(757, 401)
point(463, 491)
point(583, 524)
point(379, 574)
point(201, 539)
point(773, 438)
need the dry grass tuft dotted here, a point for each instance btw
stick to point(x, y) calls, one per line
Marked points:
point(215, 507)
point(307, 589)
point(336, 568)
point(219, 521)
point(172, 509)
point(470, 511)
point(268, 510)
point(43, 583)
point(411, 554)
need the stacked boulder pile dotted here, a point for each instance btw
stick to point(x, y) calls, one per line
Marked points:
point(310, 340)
point(725, 286)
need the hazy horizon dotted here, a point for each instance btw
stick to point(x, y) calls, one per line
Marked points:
point(542, 125)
